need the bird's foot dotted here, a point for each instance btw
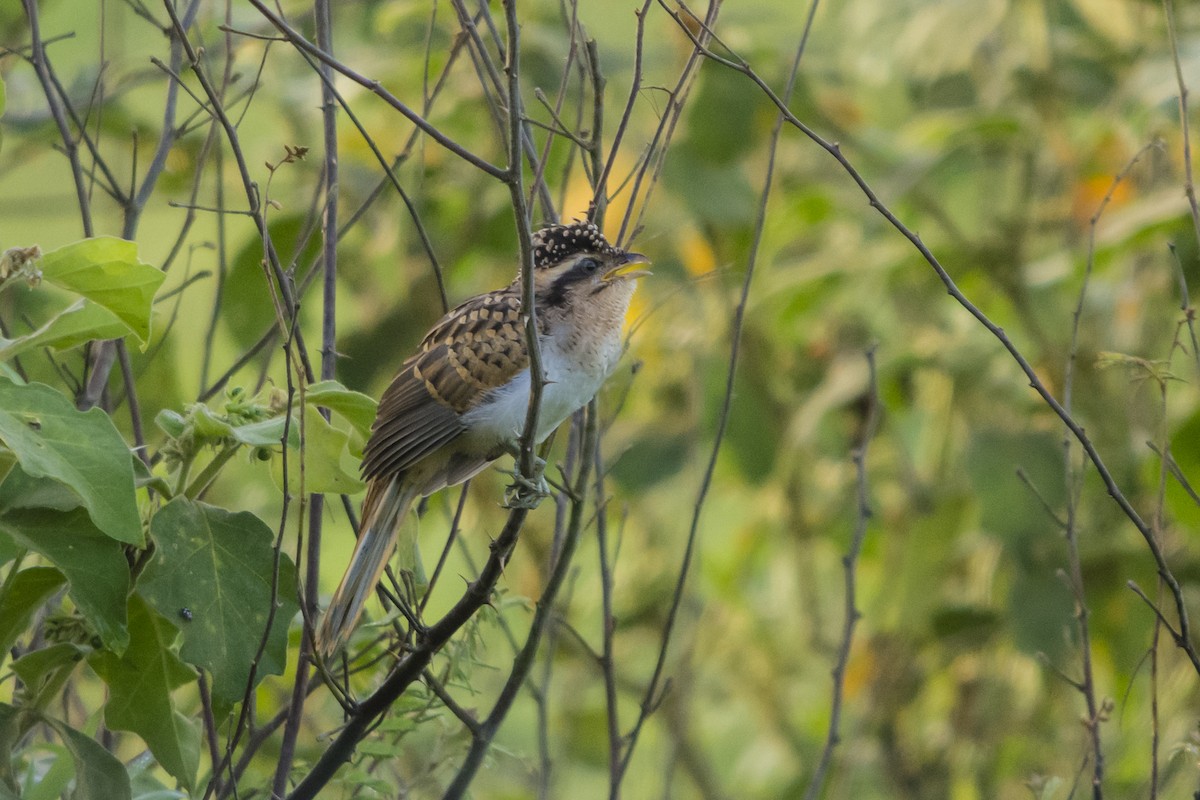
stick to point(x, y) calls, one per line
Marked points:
point(525, 492)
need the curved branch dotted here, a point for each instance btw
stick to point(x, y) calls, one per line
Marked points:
point(736, 63)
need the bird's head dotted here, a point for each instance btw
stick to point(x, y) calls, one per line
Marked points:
point(575, 262)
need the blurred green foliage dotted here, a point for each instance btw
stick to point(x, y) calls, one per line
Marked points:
point(993, 128)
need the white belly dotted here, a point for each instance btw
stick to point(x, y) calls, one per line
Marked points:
point(572, 379)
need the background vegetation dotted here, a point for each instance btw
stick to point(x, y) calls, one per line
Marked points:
point(805, 425)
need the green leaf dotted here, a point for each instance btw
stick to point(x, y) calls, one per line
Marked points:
point(140, 683)
point(26, 593)
point(267, 432)
point(652, 459)
point(356, 407)
point(82, 449)
point(969, 625)
point(145, 781)
point(13, 724)
point(219, 566)
point(207, 424)
point(22, 490)
point(264, 433)
point(93, 563)
point(107, 271)
point(327, 467)
point(172, 423)
point(143, 477)
point(98, 774)
point(48, 772)
point(9, 550)
point(79, 323)
point(44, 672)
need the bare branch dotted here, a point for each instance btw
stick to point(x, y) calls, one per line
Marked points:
point(527, 655)
point(1184, 641)
point(851, 613)
point(1189, 186)
point(294, 36)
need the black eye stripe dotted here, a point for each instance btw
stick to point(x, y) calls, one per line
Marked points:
point(584, 268)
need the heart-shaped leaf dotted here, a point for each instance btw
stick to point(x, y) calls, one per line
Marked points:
point(82, 449)
point(140, 682)
point(107, 271)
point(216, 571)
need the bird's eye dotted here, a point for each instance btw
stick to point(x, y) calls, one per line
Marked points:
point(589, 265)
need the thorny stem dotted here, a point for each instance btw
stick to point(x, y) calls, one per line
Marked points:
point(483, 734)
point(609, 622)
point(527, 460)
point(414, 662)
point(417, 657)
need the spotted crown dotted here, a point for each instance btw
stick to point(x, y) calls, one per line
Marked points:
point(556, 242)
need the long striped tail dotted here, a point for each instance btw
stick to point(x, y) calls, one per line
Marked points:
point(384, 510)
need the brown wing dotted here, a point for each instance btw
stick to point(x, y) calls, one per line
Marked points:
point(475, 348)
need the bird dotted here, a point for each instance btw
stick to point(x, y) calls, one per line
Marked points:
point(460, 401)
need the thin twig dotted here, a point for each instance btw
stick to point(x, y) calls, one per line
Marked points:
point(851, 613)
point(1176, 472)
point(138, 199)
point(249, 186)
point(210, 723)
point(329, 229)
point(1189, 186)
point(465, 717)
point(135, 408)
point(1071, 480)
point(608, 630)
point(325, 73)
point(651, 698)
point(736, 63)
point(1185, 305)
point(600, 196)
point(493, 87)
point(656, 153)
point(1166, 623)
point(416, 659)
point(376, 88)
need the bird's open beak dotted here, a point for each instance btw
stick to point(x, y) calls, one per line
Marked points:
point(626, 268)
